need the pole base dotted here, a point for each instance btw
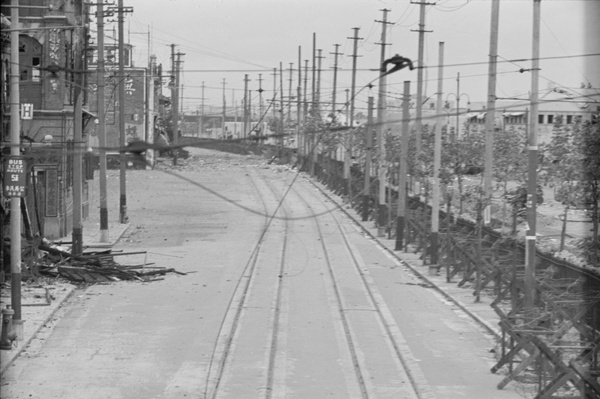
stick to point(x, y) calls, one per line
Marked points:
point(104, 236)
point(19, 329)
point(123, 218)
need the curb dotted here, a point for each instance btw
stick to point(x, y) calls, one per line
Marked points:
point(97, 244)
point(17, 351)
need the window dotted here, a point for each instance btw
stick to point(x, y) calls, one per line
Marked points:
point(30, 57)
point(540, 118)
point(550, 119)
point(569, 119)
point(35, 72)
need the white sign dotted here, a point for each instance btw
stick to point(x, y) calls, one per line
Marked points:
point(487, 215)
point(26, 111)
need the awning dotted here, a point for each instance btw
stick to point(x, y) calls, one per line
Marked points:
point(88, 114)
point(471, 115)
point(481, 115)
point(513, 114)
point(87, 117)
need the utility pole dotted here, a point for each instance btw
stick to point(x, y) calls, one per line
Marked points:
point(260, 106)
point(457, 132)
point(349, 144)
point(260, 99)
point(403, 172)
point(104, 233)
point(335, 54)
point(290, 91)
point(530, 234)
point(319, 69)
point(176, 108)
point(123, 218)
point(246, 108)
point(312, 134)
point(314, 75)
point(249, 111)
point(437, 156)
point(367, 186)
point(281, 139)
point(299, 139)
point(381, 108)
point(181, 113)
point(224, 112)
point(174, 96)
point(419, 110)
point(305, 113)
point(273, 104)
point(305, 95)
point(202, 112)
point(77, 232)
point(316, 145)
point(490, 112)
point(235, 112)
point(15, 153)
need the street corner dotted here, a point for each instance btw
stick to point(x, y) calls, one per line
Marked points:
point(40, 300)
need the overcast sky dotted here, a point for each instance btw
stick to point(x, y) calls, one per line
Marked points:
point(229, 38)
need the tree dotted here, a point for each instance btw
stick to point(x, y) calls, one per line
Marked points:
point(589, 145)
point(463, 156)
point(510, 162)
point(562, 162)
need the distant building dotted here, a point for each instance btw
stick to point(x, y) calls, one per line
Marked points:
point(142, 92)
point(556, 105)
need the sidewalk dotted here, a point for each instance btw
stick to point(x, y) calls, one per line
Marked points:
point(41, 301)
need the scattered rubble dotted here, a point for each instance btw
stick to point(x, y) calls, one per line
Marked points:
point(95, 267)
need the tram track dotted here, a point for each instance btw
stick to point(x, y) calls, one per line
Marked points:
point(373, 358)
point(221, 359)
point(267, 336)
point(401, 351)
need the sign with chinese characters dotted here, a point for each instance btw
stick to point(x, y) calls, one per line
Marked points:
point(14, 177)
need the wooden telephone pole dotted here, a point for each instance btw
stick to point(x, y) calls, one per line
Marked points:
point(381, 108)
point(123, 218)
point(349, 144)
point(437, 155)
point(532, 145)
point(335, 54)
point(420, 66)
point(104, 233)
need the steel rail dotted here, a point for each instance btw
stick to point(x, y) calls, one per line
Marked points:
point(225, 336)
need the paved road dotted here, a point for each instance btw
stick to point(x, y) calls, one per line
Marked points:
point(295, 306)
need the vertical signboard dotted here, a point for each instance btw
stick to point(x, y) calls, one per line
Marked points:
point(14, 177)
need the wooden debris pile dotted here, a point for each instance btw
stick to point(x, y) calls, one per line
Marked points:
point(97, 267)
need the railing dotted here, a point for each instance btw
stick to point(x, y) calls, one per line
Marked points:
point(555, 346)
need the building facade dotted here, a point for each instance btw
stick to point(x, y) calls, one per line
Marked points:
point(50, 44)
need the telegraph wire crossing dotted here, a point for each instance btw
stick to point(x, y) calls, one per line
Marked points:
point(142, 146)
point(138, 148)
point(416, 67)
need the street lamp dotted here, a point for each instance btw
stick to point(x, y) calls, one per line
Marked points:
point(458, 95)
point(398, 63)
